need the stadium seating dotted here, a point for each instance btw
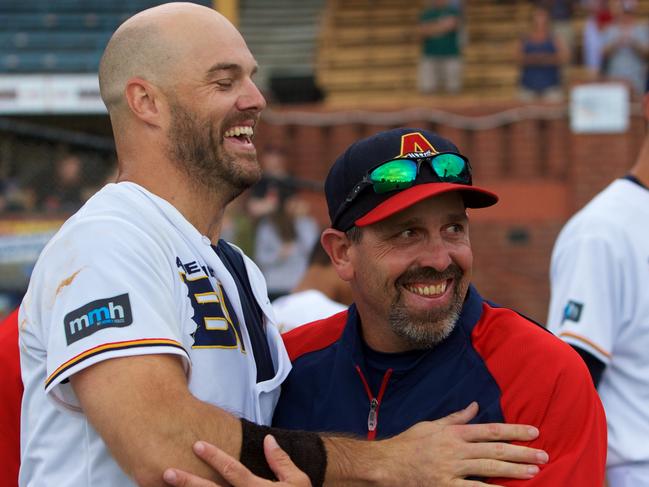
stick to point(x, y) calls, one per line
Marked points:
point(282, 36)
point(368, 49)
point(370, 46)
point(357, 49)
point(62, 36)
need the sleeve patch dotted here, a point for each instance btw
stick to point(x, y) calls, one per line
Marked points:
point(112, 312)
point(572, 311)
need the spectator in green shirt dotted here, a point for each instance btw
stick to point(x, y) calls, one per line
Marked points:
point(441, 61)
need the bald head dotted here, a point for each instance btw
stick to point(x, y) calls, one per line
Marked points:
point(155, 45)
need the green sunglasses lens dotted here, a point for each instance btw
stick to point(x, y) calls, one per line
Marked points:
point(396, 174)
point(450, 168)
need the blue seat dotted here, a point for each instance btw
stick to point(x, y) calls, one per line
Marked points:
point(52, 41)
point(86, 62)
point(59, 36)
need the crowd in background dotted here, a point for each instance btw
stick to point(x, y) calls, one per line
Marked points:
point(59, 187)
point(613, 45)
point(273, 224)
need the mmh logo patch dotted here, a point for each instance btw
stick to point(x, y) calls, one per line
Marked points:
point(572, 311)
point(112, 312)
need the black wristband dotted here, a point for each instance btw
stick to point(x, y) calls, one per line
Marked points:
point(306, 450)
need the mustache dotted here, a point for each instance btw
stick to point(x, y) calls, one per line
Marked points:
point(453, 271)
point(239, 117)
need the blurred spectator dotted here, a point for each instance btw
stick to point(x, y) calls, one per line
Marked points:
point(16, 198)
point(598, 19)
point(238, 226)
point(540, 54)
point(626, 46)
point(441, 62)
point(561, 15)
point(284, 232)
point(283, 242)
point(104, 175)
point(319, 294)
point(275, 186)
point(65, 192)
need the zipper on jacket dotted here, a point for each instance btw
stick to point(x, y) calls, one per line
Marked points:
point(375, 402)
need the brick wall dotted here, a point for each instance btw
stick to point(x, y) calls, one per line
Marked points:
point(542, 172)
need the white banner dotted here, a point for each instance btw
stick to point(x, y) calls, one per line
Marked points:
point(50, 94)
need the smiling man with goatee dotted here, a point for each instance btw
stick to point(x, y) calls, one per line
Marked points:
point(420, 342)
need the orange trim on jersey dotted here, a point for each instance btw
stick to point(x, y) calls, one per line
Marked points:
point(586, 341)
point(106, 347)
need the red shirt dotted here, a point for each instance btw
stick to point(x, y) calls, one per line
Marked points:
point(11, 393)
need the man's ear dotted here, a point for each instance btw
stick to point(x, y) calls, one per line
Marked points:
point(338, 246)
point(144, 101)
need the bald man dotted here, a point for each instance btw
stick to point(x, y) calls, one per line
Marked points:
point(142, 332)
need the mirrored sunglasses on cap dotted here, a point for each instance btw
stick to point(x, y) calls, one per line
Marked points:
point(401, 172)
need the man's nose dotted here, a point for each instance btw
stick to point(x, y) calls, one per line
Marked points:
point(251, 98)
point(435, 255)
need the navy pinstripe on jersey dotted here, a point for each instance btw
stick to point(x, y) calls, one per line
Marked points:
point(251, 311)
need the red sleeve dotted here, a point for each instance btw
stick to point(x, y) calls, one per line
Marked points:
point(11, 392)
point(546, 384)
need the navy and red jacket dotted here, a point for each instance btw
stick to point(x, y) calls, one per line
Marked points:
point(516, 370)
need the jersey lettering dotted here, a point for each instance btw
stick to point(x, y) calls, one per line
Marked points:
point(216, 327)
point(193, 267)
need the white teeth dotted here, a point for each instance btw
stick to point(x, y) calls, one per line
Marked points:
point(240, 130)
point(428, 290)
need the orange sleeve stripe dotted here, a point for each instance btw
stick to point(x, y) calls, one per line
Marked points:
point(106, 347)
point(586, 341)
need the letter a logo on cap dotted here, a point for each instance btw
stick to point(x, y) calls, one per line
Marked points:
point(415, 142)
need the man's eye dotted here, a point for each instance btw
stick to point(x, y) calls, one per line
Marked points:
point(224, 83)
point(407, 233)
point(455, 228)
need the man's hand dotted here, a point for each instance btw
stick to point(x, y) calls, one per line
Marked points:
point(446, 451)
point(235, 473)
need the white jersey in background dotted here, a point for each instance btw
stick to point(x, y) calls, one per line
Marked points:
point(303, 307)
point(600, 303)
point(129, 275)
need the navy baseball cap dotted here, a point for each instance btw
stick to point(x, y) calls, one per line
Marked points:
point(368, 206)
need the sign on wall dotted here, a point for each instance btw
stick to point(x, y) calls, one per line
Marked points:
point(599, 108)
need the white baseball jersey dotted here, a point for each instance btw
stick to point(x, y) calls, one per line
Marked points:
point(600, 303)
point(129, 275)
point(303, 307)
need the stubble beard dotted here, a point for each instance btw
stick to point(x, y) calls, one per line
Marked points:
point(425, 330)
point(195, 147)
